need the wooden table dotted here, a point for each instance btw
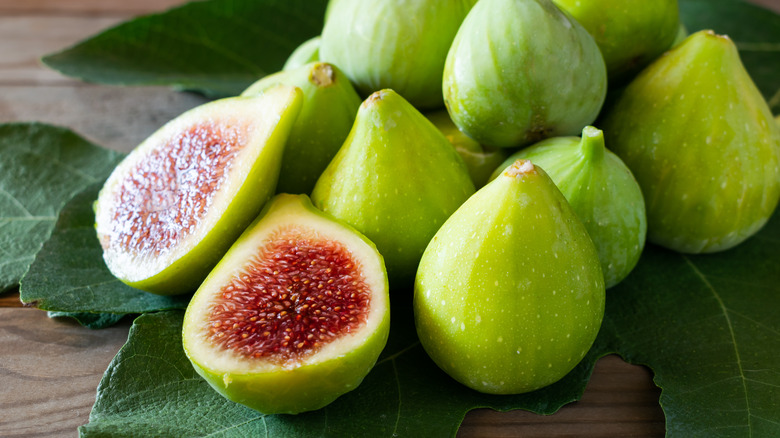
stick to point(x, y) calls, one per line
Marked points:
point(49, 369)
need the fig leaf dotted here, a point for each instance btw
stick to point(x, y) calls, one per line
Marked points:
point(42, 167)
point(215, 47)
point(69, 275)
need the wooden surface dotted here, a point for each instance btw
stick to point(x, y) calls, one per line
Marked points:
point(49, 369)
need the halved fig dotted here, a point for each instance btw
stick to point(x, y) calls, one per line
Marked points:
point(294, 315)
point(171, 209)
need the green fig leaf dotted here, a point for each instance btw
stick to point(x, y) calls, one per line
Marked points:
point(215, 47)
point(90, 320)
point(756, 32)
point(404, 395)
point(42, 166)
point(69, 275)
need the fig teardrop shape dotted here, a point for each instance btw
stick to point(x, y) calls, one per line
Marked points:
point(509, 295)
point(520, 71)
point(171, 208)
point(700, 140)
point(396, 179)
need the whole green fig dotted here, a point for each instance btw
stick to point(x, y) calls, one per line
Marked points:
point(702, 143)
point(329, 107)
point(396, 179)
point(393, 44)
point(520, 71)
point(630, 33)
point(480, 160)
point(308, 51)
point(509, 295)
point(601, 190)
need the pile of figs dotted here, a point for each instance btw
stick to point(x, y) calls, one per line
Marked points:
point(300, 208)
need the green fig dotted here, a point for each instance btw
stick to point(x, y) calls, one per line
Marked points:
point(294, 315)
point(630, 33)
point(308, 51)
point(509, 295)
point(682, 34)
point(480, 160)
point(601, 190)
point(393, 44)
point(396, 179)
point(520, 71)
point(171, 208)
point(329, 107)
point(700, 140)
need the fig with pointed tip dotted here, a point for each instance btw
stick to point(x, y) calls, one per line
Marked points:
point(294, 315)
point(329, 107)
point(700, 140)
point(391, 44)
point(480, 160)
point(308, 51)
point(396, 179)
point(601, 191)
point(520, 71)
point(171, 208)
point(509, 295)
point(630, 33)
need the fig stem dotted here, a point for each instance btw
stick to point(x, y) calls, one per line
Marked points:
point(592, 143)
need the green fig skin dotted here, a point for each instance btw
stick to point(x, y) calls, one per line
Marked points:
point(700, 140)
point(329, 107)
point(396, 179)
point(393, 44)
point(509, 295)
point(308, 51)
point(520, 71)
point(315, 380)
point(602, 192)
point(630, 33)
point(682, 34)
point(480, 160)
point(250, 183)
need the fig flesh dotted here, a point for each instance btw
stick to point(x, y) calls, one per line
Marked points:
point(520, 71)
point(329, 107)
point(393, 44)
point(630, 33)
point(700, 140)
point(396, 179)
point(509, 295)
point(174, 205)
point(601, 190)
point(294, 315)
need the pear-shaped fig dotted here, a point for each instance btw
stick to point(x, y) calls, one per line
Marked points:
point(329, 107)
point(630, 33)
point(480, 160)
point(294, 315)
point(308, 51)
point(391, 44)
point(700, 140)
point(171, 208)
point(509, 295)
point(396, 179)
point(601, 191)
point(520, 71)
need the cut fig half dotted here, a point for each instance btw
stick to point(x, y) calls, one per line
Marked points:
point(295, 314)
point(171, 209)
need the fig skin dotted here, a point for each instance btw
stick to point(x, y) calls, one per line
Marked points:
point(396, 179)
point(602, 192)
point(329, 107)
point(315, 380)
point(393, 44)
point(250, 183)
point(520, 71)
point(630, 33)
point(700, 140)
point(308, 51)
point(509, 295)
point(480, 160)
